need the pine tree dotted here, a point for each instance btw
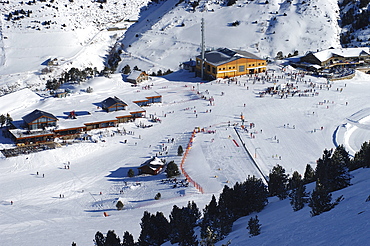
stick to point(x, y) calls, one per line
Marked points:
point(145, 233)
point(158, 196)
point(209, 238)
point(99, 239)
point(320, 200)
point(225, 214)
point(180, 151)
point(323, 174)
point(362, 157)
point(182, 223)
point(131, 173)
point(8, 119)
point(294, 181)
point(2, 120)
point(277, 183)
point(254, 226)
point(341, 155)
point(332, 171)
point(128, 239)
point(119, 205)
point(162, 226)
point(126, 69)
point(298, 196)
point(112, 239)
point(154, 229)
point(172, 170)
point(340, 172)
point(248, 197)
point(309, 175)
point(210, 222)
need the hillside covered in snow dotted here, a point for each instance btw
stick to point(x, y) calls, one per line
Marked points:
point(66, 194)
point(82, 34)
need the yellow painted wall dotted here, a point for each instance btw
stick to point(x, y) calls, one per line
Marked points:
point(232, 69)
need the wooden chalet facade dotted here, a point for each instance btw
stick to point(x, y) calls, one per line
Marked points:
point(113, 104)
point(38, 119)
point(137, 77)
point(225, 63)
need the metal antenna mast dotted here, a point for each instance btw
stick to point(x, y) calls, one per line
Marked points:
point(203, 50)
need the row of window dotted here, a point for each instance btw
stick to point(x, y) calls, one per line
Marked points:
point(241, 68)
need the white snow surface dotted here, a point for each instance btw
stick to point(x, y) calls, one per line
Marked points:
point(40, 217)
point(165, 35)
point(68, 204)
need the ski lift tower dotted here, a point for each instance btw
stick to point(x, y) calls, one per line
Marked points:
point(202, 50)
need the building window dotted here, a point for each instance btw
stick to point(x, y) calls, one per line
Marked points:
point(213, 70)
point(219, 69)
point(233, 67)
point(259, 64)
point(241, 68)
point(223, 68)
point(208, 68)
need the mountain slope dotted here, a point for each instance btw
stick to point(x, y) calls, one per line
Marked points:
point(343, 225)
point(264, 29)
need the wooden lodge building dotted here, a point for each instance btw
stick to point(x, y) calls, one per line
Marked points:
point(38, 119)
point(40, 126)
point(225, 63)
point(113, 104)
point(152, 166)
point(137, 77)
point(343, 57)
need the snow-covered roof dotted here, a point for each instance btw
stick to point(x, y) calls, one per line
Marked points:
point(344, 52)
point(112, 101)
point(37, 114)
point(225, 55)
point(134, 75)
point(153, 163)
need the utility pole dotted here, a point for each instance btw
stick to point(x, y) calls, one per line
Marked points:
point(203, 50)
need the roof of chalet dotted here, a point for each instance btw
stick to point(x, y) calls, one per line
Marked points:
point(225, 55)
point(134, 75)
point(34, 115)
point(110, 101)
point(344, 52)
point(153, 163)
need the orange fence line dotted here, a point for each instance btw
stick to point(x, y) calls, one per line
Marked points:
point(190, 180)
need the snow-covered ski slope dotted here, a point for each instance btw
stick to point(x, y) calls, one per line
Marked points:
point(74, 32)
point(166, 34)
point(97, 177)
point(263, 29)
